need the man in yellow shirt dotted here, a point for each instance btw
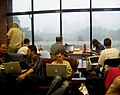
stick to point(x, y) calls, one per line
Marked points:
point(15, 38)
point(59, 84)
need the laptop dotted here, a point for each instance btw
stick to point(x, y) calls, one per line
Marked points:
point(70, 48)
point(56, 70)
point(12, 67)
point(93, 60)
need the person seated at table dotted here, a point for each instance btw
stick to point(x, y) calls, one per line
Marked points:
point(4, 56)
point(44, 53)
point(59, 84)
point(108, 53)
point(24, 48)
point(58, 46)
point(98, 47)
point(34, 76)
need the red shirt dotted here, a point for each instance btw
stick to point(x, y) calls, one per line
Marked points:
point(112, 74)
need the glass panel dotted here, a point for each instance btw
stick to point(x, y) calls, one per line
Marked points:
point(24, 24)
point(74, 4)
point(46, 4)
point(105, 3)
point(46, 29)
point(21, 5)
point(76, 29)
point(107, 24)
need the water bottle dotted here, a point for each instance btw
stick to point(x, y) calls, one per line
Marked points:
point(84, 47)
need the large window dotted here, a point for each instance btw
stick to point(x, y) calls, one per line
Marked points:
point(71, 19)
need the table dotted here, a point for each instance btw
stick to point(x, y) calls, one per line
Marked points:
point(82, 54)
point(78, 54)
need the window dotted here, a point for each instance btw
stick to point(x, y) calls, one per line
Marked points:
point(75, 17)
point(24, 22)
point(76, 28)
point(105, 3)
point(46, 4)
point(46, 29)
point(106, 24)
point(75, 4)
point(21, 5)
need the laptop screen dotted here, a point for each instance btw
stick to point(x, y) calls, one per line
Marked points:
point(93, 60)
point(70, 48)
point(12, 67)
point(56, 70)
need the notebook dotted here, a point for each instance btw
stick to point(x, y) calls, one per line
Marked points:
point(70, 48)
point(93, 60)
point(12, 67)
point(56, 70)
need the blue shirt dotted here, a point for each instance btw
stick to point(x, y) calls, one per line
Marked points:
point(99, 48)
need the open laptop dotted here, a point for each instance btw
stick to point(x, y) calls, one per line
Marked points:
point(93, 60)
point(12, 67)
point(70, 48)
point(56, 70)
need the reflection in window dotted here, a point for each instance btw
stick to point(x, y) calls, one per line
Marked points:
point(76, 28)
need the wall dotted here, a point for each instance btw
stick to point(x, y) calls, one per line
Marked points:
point(5, 6)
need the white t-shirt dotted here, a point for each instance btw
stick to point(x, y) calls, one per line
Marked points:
point(23, 50)
point(45, 54)
point(108, 54)
point(16, 37)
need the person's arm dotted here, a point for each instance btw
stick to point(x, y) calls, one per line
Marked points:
point(69, 70)
point(9, 33)
point(65, 52)
point(101, 59)
point(94, 52)
point(8, 40)
point(22, 76)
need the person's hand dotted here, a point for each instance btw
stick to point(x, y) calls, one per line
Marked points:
point(93, 52)
point(21, 77)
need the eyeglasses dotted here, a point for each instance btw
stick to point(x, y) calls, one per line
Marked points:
point(58, 56)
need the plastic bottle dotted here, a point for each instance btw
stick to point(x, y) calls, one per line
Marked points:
point(84, 47)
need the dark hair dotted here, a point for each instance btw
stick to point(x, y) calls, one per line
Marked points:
point(1, 43)
point(26, 41)
point(59, 51)
point(59, 38)
point(16, 25)
point(94, 41)
point(107, 42)
point(33, 48)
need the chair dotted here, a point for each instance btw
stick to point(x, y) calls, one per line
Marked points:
point(114, 62)
point(95, 86)
point(17, 57)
